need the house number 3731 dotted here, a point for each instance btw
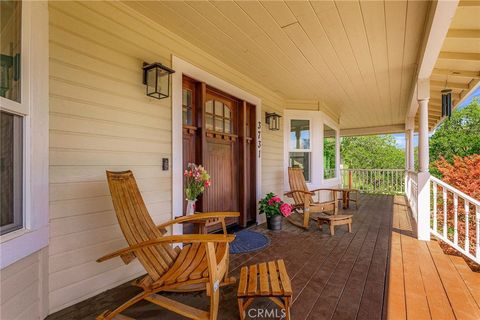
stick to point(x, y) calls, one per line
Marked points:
point(259, 139)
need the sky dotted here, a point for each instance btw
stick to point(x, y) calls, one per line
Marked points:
point(400, 137)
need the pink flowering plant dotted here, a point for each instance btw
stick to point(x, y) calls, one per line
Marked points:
point(196, 181)
point(272, 206)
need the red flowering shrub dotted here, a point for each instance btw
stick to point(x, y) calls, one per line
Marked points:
point(464, 174)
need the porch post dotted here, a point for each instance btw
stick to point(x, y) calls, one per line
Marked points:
point(423, 180)
point(407, 150)
point(411, 155)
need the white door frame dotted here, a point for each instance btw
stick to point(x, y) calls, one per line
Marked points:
point(181, 68)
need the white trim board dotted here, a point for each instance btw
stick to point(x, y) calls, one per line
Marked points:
point(181, 68)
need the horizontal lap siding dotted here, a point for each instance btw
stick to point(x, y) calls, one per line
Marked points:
point(100, 119)
point(20, 285)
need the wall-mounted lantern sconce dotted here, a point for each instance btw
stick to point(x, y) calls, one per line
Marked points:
point(447, 103)
point(273, 120)
point(157, 79)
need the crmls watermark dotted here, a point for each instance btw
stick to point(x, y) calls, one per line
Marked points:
point(266, 313)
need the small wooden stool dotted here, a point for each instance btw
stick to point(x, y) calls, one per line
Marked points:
point(267, 279)
point(335, 220)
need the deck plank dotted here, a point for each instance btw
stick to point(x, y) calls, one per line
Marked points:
point(463, 304)
point(377, 271)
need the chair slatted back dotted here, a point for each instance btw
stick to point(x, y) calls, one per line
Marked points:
point(137, 225)
point(296, 180)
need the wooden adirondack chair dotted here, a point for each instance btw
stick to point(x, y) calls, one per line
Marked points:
point(303, 198)
point(202, 264)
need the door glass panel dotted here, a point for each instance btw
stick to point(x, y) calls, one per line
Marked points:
point(299, 134)
point(301, 160)
point(219, 124)
point(209, 106)
point(226, 111)
point(218, 108)
point(329, 152)
point(209, 122)
point(227, 126)
point(10, 47)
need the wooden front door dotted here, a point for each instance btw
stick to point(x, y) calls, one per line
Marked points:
point(218, 132)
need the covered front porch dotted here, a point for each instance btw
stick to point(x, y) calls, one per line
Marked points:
point(258, 87)
point(378, 271)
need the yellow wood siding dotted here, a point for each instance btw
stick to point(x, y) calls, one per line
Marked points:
point(20, 289)
point(100, 119)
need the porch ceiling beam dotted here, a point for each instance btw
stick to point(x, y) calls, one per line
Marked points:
point(456, 73)
point(438, 22)
point(395, 128)
point(469, 3)
point(450, 85)
point(468, 56)
point(463, 33)
point(437, 95)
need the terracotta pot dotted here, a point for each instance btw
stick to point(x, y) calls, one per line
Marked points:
point(274, 223)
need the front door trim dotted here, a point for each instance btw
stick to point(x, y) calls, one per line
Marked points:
point(181, 68)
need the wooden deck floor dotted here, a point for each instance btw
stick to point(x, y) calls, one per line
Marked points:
point(378, 271)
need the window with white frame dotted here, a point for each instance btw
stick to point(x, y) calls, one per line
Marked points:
point(300, 146)
point(12, 119)
point(329, 152)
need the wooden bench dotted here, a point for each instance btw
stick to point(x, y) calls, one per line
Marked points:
point(267, 279)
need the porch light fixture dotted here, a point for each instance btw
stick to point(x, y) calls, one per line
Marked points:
point(447, 103)
point(156, 77)
point(273, 120)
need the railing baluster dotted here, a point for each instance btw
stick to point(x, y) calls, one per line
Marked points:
point(444, 212)
point(435, 207)
point(477, 232)
point(467, 225)
point(455, 218)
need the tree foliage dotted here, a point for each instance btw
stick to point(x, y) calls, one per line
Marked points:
point(371, 152)
point(463, 174)
point(457, 136)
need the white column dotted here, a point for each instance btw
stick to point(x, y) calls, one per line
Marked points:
point(423, 135)
point(407, 150)
point(411, 153)
point(423, 219)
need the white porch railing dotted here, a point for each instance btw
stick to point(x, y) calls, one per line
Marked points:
point(384, 181)
point(455, 218)
point(411, 191)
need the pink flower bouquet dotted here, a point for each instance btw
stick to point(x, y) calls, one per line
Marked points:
point(272, 206)
point(196, 181)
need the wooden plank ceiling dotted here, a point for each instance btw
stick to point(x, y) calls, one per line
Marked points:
point(458, 65)
point(359, 58)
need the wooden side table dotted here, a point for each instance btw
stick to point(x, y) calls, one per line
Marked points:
point(346, 197)
point(267, 279)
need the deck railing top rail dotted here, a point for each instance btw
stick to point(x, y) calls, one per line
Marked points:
point(456, 191)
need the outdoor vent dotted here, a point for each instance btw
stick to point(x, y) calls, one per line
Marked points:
point(273, 120)
point(447, 103)
point(156, 77)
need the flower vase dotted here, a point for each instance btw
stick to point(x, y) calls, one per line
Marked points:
point(190, 207)
point(275, 222)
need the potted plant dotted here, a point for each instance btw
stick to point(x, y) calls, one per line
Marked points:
point(196, 181)
point(274, 209)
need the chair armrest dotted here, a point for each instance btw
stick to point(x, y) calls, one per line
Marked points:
point(187, 238)
point(290, 193)
point(322, 189)
point(199, 216)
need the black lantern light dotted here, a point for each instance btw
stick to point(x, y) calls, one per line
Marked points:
point(447, 103)
point(273, 120)
point(157, 79)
